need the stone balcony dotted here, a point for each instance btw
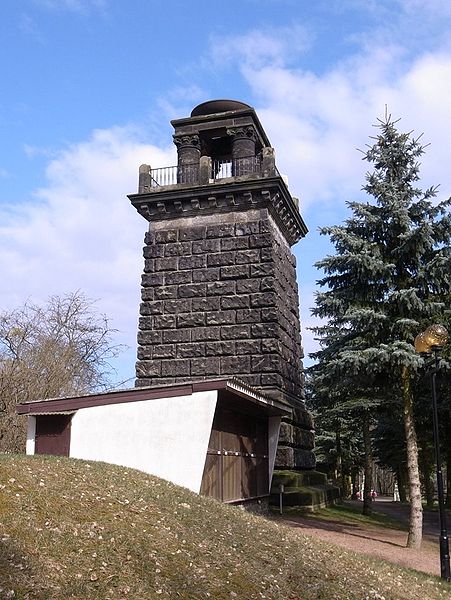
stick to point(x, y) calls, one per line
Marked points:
point(217, 186)
point(207, 171)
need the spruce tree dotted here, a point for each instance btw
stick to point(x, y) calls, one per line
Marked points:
point(342, 396)
point(388, 280)
point(338, 437)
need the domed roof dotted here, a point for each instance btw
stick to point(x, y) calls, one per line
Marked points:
point(217, 106)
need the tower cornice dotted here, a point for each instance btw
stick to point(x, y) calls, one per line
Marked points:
point(228, 119)
point(241, 194)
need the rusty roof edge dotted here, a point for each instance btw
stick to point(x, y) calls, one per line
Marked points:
point(73, 403)
point(115, 395)
point(242, 388)
point(198, 385)
point(136, 394)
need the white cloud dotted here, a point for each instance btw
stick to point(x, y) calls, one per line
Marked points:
point(79, 6)
point(80, 231)
point(261, 47)
point(179, 101)
point(432, 9)
point(316, 122)
point(29, 27)
point(32, 151)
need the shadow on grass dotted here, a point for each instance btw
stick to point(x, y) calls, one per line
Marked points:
point(350, 513)
point(347, 519)
point(19, 577)
point(350, 529)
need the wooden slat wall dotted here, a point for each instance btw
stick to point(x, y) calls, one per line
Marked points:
point(53, 434)
point(211, 479)
point(236, 465)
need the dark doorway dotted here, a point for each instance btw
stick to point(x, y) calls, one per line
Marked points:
point(53, 434)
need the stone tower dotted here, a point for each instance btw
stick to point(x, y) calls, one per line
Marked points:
point(219, 291)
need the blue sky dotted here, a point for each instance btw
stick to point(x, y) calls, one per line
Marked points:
point(88, 87)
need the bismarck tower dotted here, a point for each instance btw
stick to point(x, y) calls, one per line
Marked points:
point(219, 292)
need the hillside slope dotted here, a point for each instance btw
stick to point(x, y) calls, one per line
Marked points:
point(73, 529)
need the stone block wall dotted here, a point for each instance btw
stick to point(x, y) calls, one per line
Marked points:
point(296, 440)
point(220, 299)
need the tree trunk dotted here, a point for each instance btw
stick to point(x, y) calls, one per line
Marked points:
point(385, 480)
point(416, 508)
point(355, 483)
point(340, 480)
point(338, 451)
point(347, 485)
point(401, 479)
point(367, 499)
point(426, 469)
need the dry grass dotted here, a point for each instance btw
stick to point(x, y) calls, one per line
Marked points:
point(72, 529)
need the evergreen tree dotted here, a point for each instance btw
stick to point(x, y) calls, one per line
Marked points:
point(390, 445)
point(341, 395)
point(338, 439)
point(386, 282)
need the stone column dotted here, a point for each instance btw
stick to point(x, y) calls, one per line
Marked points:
point(205, 169)
point(268, 162)
point(144, 184)
point(188, 152)
point(243, 150)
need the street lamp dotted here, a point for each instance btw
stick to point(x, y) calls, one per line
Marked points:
point(431, 342)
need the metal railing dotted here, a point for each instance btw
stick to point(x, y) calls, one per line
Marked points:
point(174, 175)
point(220, 169)
point(236, 167)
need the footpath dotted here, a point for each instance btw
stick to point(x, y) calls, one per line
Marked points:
point(377, 541)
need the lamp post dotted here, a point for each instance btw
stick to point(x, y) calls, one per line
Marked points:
point(431, 342)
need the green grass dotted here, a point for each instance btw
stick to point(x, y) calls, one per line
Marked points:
point(347, 514)
point(83, 530)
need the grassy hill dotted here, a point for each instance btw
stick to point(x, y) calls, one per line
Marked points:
point(72, 529)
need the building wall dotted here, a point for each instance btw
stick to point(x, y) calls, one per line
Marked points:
point(273, 437)
point(219, 298)
point(152, 436)
point(31, 434)
point(167, 437)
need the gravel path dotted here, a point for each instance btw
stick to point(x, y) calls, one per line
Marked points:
point(376, 541)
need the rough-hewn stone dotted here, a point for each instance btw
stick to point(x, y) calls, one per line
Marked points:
point(292, 435)
point(289, 458)
point(231, 297)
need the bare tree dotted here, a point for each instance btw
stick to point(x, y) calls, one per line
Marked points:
point(62, 348)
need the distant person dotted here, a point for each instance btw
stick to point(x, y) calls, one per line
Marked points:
point(396, 497)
